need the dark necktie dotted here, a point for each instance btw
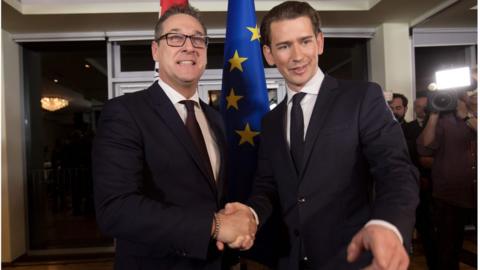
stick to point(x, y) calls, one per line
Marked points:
point(296, 132)
point(196, 134)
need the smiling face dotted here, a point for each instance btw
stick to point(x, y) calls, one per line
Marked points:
point(294, 49)
point(180, 67)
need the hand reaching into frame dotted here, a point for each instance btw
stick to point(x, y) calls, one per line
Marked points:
point(237, 227)
point(387, 249)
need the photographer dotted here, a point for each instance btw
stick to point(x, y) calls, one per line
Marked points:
point(452, 137)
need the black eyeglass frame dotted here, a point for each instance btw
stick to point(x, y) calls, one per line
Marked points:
point(165, 36)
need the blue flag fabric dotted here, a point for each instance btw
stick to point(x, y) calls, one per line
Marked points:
point(243, 103)
point(244, 98)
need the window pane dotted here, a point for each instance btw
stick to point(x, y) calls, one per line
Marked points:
point(428, 60)
point(136, 56)
point(215, 56)
point(345, 58)
point(59, 140)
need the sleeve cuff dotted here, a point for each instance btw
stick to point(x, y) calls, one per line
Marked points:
point(385, 224)
point(254, 215)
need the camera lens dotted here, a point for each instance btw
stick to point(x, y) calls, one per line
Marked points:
point(443, 101)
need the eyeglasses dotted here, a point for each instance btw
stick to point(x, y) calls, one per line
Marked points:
point(178, 40)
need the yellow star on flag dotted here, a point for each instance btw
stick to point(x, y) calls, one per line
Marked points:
point(232, 99)
point(236, 61)
point(247, 135)
point(255, 33)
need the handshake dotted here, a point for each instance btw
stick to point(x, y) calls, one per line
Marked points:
point(235, 226)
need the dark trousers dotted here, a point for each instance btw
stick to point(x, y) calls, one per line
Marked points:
point(425, 227)
point(450, 221)
point(304, 265)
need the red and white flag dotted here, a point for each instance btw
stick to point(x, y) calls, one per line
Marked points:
point(166, 4)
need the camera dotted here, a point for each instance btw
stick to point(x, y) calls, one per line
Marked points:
point(443, 101)
point(450, 85)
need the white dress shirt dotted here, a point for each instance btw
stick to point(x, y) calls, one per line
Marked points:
point(311, 89)
point(208, 135)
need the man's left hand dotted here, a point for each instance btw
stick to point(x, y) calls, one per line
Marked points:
point(387, 249)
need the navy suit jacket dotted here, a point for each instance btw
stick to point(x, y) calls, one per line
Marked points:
point(152, 191)
point(356, 168)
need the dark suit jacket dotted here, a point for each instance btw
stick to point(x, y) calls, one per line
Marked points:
point(412, 131)
point(352, 144)
point(152, 191)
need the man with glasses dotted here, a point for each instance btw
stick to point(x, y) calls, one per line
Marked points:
point(159, 162)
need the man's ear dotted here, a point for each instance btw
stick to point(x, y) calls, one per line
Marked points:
point(154, 48)
point(320, 43)
point(267, 53)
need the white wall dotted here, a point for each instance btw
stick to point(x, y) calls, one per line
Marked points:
point(13, 176)
point(391, 61)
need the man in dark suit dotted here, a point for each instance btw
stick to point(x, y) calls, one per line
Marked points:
point(159, 162)
point(324, 150)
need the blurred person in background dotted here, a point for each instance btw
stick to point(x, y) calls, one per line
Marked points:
point(399, 107)
point(452, 139)
point(423, 222)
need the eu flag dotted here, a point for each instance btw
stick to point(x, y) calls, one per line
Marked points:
point(243, 104)
point(244, 95)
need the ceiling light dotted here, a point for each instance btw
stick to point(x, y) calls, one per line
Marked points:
point(53, 103)
point(87, 66)
point(55, 80)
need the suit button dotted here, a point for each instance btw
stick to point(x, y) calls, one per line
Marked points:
point(302, 200)
point(296, 232)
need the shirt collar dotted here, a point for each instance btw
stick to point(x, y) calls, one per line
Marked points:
point(311, 87)
point(174, 96)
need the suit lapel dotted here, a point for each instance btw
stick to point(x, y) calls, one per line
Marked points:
point(219, 135)
point(321, 108)
point(167, 112)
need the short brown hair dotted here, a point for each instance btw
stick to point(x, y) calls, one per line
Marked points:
point(174, 10)
point(402, 97)
point(286, 11)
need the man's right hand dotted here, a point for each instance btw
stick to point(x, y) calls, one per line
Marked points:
point(237, 227)
point(387, 249)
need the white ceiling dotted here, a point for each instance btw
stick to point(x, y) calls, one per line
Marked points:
point(128, 6)
point(40, 16)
